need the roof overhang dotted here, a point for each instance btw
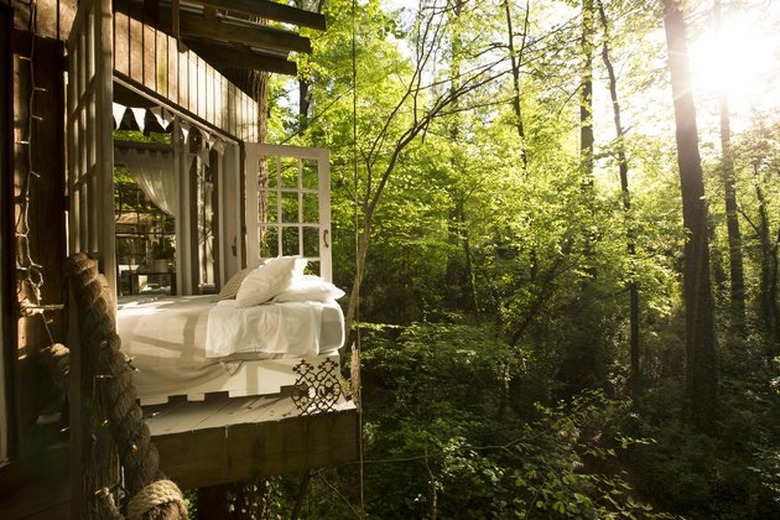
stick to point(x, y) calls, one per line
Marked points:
point(236, 37)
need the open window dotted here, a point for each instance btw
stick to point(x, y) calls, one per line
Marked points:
point(175, 224)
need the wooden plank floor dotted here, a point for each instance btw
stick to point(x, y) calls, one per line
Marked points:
point(219, 410)
point(36, 488)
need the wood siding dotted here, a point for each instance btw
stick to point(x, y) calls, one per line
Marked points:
point(148, 61)
point(39, 146)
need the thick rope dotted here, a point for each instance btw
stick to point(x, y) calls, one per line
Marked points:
point(158, 493)
point(114, 388)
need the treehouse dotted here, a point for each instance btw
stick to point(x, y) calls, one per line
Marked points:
point(194, 322)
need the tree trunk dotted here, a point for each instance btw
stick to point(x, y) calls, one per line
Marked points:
point(767, 293)
point(586, 94)
point(620, 150)
point(460, 289)
point(736, 271)
point(515, 59)
point(701, 371)
point(586, 128)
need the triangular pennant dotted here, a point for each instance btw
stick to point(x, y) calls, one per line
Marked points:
point(217, 144)
point(185, 130)
point(139, 114)
point(163, 117)
point(119, 114)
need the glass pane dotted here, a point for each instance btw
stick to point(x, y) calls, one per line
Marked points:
point(206, 228)
point(311, 208)
point(268, 240)
point(267, 210)
point(310, 178)
point(311, 242)
point(289, 207)
point(313, 267)
point(290, 241)
point(289, 172)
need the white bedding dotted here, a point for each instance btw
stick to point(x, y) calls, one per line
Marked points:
point(176, 346)
point(276, 328)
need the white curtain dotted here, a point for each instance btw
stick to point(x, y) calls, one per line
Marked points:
point(153, 171)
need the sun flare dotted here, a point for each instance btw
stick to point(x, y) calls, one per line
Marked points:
point(742, 61)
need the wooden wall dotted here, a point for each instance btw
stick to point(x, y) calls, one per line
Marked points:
point(7, 338)
point(149, 60)
point(39, 232)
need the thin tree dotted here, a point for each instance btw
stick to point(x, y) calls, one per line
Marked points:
point(736, 270)
point(768, 312)
point(761, 165)
point(427, 101)
point(515, 60)
point(460, 293)
point(622, 159)
point(701, 370)
point(586, 93)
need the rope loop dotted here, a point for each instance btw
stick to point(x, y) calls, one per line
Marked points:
point(160, 492)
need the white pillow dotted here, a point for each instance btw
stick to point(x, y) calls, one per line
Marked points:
point(309, 288)
point(268, 280)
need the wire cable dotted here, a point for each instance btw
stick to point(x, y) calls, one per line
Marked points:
point(357, 385)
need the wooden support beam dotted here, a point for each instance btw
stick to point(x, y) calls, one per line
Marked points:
point(272, 11)
point(238, 31)
point(234, 57)
point(221, 28)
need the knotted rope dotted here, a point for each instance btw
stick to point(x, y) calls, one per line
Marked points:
point(153, 497)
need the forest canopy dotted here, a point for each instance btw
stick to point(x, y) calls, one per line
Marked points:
point(557, 223)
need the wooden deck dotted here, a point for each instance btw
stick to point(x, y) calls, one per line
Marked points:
point(224, 439)
point(205, 443)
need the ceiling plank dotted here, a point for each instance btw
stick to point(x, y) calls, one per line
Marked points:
point(250, 60)
point(271, 11)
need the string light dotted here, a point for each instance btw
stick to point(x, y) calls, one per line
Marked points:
point(30, 278)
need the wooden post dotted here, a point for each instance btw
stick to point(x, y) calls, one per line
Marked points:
point(93, 460)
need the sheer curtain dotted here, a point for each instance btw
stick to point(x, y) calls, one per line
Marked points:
point(153, 171)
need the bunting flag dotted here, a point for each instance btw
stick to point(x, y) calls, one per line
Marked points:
point(139, 114)
point(119, 114)
point(217, 144)
point(185, 129)
point(163, 116)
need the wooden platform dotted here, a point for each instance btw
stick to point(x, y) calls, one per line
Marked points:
point(206, 443)
point(223, 439)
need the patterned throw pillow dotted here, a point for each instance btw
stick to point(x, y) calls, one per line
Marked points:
point(230, 289)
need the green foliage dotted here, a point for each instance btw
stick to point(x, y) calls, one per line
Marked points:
point(440, 426)
point(500, 389)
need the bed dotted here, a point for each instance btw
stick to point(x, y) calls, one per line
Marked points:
point(195, 345)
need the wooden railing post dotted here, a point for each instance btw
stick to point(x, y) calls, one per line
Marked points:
point(93, 459)
point(107, 422)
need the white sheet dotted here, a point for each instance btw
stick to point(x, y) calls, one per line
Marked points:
point(166, 337)
point(275, 328)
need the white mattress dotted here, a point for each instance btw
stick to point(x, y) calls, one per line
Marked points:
point(167, 337)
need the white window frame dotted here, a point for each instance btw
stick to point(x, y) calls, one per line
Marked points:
point(276, 153)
